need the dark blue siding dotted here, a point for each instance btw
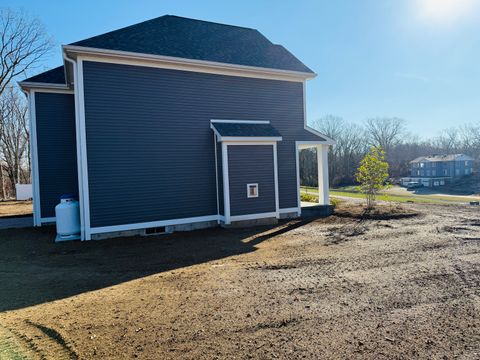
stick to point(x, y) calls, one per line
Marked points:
point(441, 169)
point(249, 164)
point(56, 144)
point(149, 142)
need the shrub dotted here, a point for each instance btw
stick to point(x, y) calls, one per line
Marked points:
point(308, 197)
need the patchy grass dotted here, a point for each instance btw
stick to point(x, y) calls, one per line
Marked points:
point(352, 192)
point(398, 282)
point(13, 208)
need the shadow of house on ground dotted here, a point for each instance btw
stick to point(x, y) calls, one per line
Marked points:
point(35, 270)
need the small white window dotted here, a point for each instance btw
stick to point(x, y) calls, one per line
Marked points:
point(252, 190)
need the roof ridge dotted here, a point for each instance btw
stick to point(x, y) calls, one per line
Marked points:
point(210, 22)
point(164, 16)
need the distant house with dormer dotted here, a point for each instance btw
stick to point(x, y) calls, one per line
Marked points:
point(436, 170)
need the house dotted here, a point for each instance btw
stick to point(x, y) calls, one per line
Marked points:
point(172, 124)
point(438, 170)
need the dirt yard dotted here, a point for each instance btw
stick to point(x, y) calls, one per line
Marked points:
point(402, 283)
point(14, 208)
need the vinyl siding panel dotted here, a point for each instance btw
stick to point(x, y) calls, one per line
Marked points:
point(149, 143)
point(249, 164)
point(56, 144)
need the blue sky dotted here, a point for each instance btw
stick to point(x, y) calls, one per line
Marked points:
point(414, 59)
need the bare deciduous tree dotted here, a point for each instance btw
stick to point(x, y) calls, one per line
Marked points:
point(23, 43)
point(353, 141)
point(14, 140)
point(385, 132)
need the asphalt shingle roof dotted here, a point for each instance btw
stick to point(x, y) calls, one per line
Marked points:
point(199, 40)
point(443, 157)
point(53, 76)
point(245, 130)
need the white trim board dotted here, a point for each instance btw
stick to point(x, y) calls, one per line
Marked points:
point(226, 181)
point(176, 63)
point(83, 150)
point(239, 121)
point(27, 85)
point(34, 159)
point(254, 216)
point(78, 147)
point(48, 220)
point(145, 225)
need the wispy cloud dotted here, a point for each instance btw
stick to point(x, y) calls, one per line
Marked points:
point(411, 76)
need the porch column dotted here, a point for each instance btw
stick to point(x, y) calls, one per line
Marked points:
point(322, 166)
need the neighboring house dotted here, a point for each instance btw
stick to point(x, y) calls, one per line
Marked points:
point(172, 124)
point(437, 170)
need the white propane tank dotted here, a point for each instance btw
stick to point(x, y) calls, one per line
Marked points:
point(68, 218)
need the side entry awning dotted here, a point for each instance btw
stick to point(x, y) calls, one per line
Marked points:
point(244, 130)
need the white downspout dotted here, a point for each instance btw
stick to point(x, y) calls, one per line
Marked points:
point(78, 143)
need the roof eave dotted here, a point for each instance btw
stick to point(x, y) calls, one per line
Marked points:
point(82, 50)
point(28, 85)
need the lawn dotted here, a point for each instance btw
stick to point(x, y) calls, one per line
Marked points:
point(398, 283)
point(14, 208)
point(352, 192)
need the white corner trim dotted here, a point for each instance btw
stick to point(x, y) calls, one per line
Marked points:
point(297, 163)
point(145, 225)
point(322, 170)
point(254, 216)
point(83, 149)
point(176, 63)
point(34, 157)
point(275, 175)
point(216, 174)
point(78, 147)
point(239, 121)
point(226, 184)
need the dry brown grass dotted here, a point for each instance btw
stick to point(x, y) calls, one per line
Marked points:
point(13, 207)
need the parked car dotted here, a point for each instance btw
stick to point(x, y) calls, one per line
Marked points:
point(413, 185)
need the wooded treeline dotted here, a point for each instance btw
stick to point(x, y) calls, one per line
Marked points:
point(14, 142)
point(24, 42)
point(354, 140)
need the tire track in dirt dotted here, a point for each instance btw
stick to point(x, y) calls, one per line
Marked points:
point(41, 343)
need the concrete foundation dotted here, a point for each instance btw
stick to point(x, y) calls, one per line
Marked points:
point(290, 215)
point(317, 211)
point(254, 222)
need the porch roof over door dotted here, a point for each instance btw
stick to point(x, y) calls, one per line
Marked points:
point(238, 130)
